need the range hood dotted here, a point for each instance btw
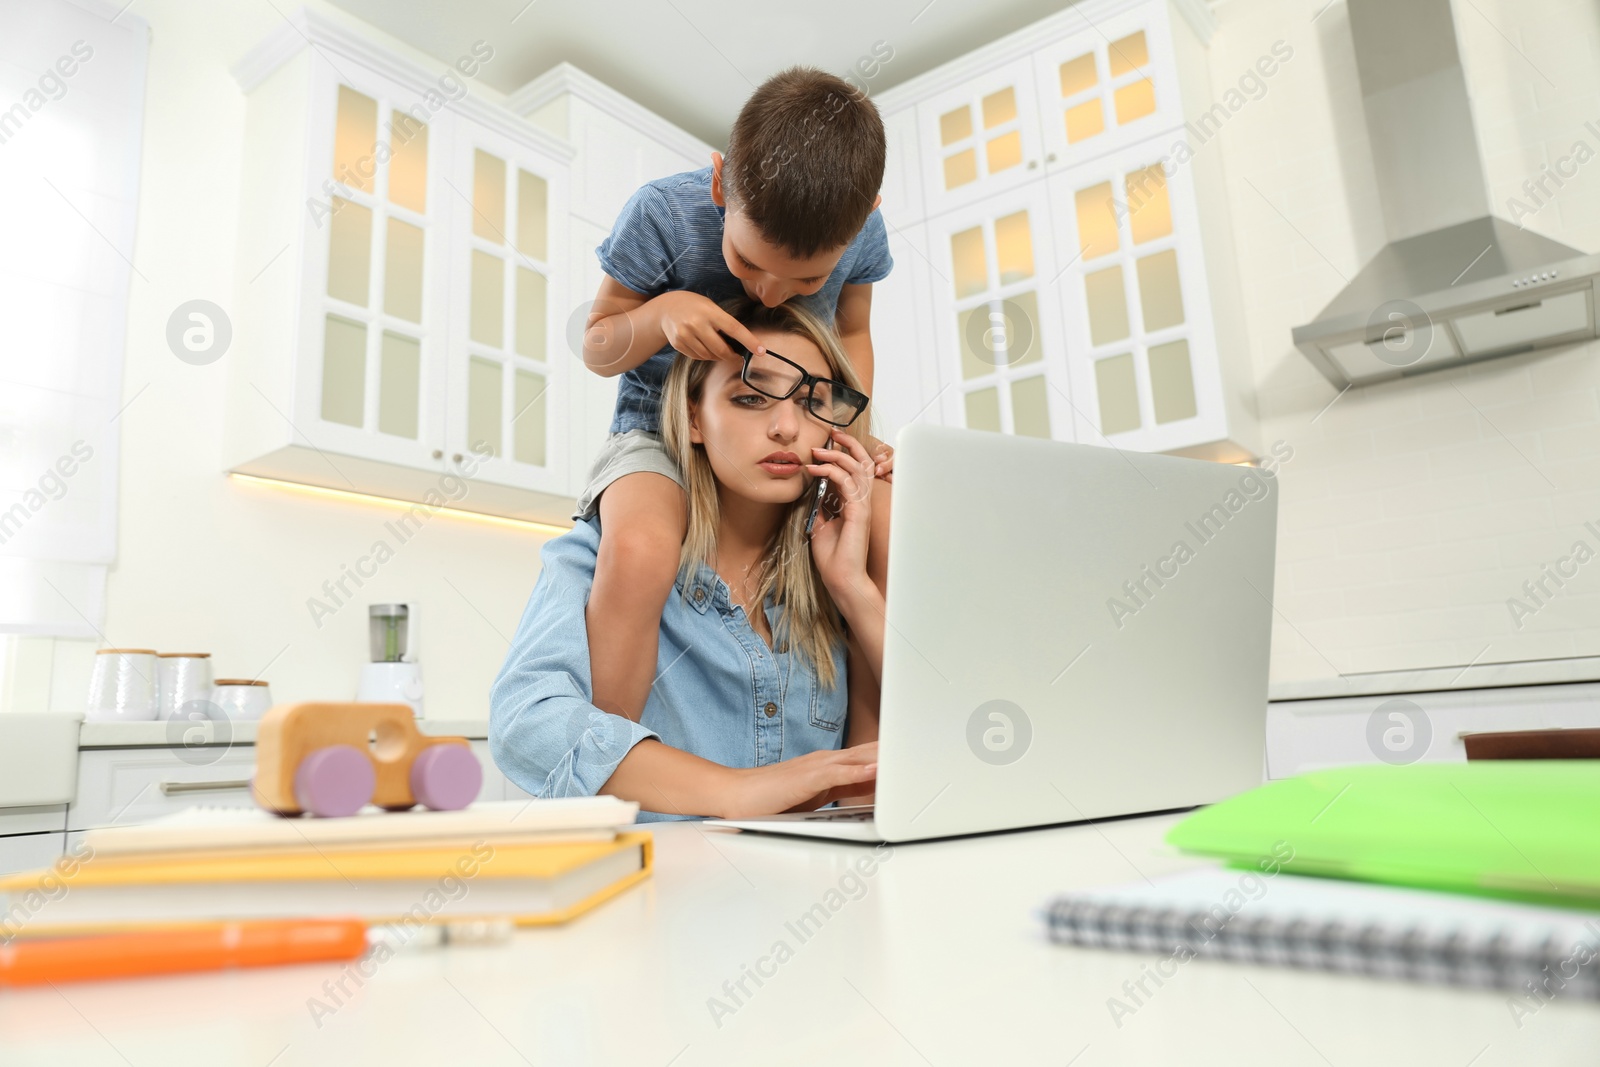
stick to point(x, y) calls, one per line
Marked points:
point(1454, 283)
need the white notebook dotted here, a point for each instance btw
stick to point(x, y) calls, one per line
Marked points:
point(1329, 924)
point(556, 819)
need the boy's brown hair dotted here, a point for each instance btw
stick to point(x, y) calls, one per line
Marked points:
point(805, 160)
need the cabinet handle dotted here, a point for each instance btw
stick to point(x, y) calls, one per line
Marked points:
point(1051, 158)
point(1033, 164)
point(438, 453)
point(456, 458)
point(173, 788)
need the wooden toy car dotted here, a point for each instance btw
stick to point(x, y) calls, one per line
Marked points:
point(332, 759)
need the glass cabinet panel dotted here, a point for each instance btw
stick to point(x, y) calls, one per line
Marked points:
point(488, 298)
point(374, 348)
point(998, 332)
point(1118, 394)
point(983, 409)
point(399, 385)
point(989, 134)
point(1172, 382)
point(349, 252)
point(489, 196)
point(528, 424)
point(508, 311)
point(484, 404)
point(344, 371)
point(354, 138)
point(402, 271)
point(1099, 90)
point(533, 211)
point(408, 168)
point(1133, 343)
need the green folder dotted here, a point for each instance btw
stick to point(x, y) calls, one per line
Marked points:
point(1519, 829)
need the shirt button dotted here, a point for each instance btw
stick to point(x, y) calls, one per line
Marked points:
point(771, 709)
point(699, 596)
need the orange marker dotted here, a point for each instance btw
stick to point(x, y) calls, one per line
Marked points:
point(208, 947)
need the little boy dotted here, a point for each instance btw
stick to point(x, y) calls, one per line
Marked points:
point(790, 214)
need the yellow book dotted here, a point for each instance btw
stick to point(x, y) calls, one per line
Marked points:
point(533, 884)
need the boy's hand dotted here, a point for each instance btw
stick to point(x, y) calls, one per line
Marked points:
point(883, 461)
point(694, 325)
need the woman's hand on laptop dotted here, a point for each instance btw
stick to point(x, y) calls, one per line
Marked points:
point(694, 325)
point(804, 783)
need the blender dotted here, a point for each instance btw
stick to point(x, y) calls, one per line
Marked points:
point(394, 676)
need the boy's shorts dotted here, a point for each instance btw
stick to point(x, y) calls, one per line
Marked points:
point(625, 453)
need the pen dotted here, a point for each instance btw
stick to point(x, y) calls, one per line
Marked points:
point(208, 947)
point(215, 946)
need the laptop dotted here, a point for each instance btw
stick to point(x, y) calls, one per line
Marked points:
point(1073, 632)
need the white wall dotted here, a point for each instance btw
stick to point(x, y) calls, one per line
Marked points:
point(1413, 510)
point(208, 564)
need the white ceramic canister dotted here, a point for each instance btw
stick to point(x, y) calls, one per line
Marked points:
point(241, 698)
point(182, 677)
point(122, 685)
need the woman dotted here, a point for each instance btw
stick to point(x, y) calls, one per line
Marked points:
point(751, 712)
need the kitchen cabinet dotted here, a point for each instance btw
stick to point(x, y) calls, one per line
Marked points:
point(618, 145)
point(400, 311)
point(1071, 285)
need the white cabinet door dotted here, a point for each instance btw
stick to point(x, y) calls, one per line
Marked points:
point(996, 324)
point(507, 372)
point(1104, 88)
point(1136, 311)
point(371, 350)
point(979, 139)
point(905, 386)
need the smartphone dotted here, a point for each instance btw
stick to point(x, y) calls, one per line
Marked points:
point(816, 505)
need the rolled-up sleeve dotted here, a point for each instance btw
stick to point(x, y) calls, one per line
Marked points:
point(544, 733)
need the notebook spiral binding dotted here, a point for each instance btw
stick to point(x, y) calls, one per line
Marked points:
point(1373, 950)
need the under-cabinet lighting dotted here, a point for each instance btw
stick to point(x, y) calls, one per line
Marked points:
point(401, 505)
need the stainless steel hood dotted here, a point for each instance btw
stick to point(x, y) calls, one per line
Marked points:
point(1454, 283)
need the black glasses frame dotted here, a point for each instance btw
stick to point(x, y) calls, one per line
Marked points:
point(809, 382)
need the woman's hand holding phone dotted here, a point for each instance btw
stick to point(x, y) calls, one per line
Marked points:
point(839, 541)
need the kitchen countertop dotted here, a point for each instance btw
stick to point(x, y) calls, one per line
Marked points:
point(1440, 679)
point(167, 734)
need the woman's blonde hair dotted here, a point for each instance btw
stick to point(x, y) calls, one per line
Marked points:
point(808, 621)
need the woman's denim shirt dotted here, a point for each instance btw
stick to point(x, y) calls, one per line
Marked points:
point(719, 691)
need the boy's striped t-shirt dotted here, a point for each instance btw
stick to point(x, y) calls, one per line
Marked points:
point(669, 237)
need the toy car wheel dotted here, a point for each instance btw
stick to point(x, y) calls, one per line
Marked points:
point(446, 777)
point(336, 780)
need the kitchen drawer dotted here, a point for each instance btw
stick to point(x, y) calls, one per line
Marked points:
point(1307, 735)
point(123, 786)
point(25, 852)
point(33, 820)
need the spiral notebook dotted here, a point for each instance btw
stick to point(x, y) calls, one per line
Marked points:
point(1332, 925)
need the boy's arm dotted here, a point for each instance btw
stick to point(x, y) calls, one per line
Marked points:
point(625, 328)
point(852, 320)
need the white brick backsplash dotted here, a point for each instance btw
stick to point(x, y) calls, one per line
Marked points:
point(1407, 517)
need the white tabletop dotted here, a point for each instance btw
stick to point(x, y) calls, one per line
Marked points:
point(937, 960)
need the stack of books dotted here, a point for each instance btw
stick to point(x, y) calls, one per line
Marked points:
point(533, 862)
